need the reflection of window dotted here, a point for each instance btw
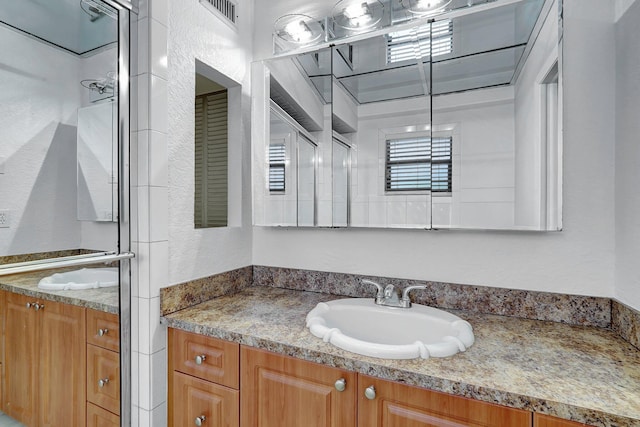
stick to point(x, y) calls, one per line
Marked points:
point(414, 43)
point(210, 204)
point(418, 163)
point(276, 167)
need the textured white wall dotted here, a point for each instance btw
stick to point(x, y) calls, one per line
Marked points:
point(628, 157)
point(194, 33)
point(580, 259)
point(39, 95)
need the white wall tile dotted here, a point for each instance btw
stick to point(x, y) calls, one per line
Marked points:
point(158, 111)
point(142, 158)
point(142, 234)
point(157, 164)
point(159, 206)
point(150, 367)
point(144, 46)
point(143, 97)
point(158, 268)
point(158, 49)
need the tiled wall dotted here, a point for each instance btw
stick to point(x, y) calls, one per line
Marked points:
point(149, 210)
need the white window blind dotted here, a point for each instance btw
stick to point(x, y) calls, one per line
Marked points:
point(419, 163)
point(415, 43)
point(277, 155)
point(211, 140)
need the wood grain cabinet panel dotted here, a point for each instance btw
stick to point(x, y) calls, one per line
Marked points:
point(204, 357)
point(399, 405)
point(540, 420)
point(103, 378)
point(21, 359)
point(62, 367)
point(98, 417)
point(45, 364)
point(215, 405)
point(103, 330)
point(281, 391)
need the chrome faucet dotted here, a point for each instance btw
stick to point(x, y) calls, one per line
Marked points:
point(388, 296)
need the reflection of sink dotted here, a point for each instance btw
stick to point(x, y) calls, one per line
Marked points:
point(85, 278)
point(360, 326)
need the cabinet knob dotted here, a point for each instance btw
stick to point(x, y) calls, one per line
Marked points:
point(200, 359)
point(200, 420)
point(103, 382)
point(103, 332)
point(37, 306)
point(370, 392)
point(341, 384)
point(30, 305)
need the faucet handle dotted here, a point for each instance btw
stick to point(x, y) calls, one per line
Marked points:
point(380, 290)
point(405, 293)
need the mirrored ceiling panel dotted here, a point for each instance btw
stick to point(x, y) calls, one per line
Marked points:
point(385, 85)
point(78, 26)
point(476, 71)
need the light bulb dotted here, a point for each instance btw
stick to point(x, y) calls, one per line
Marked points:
point(358, 14)
point(298, 31)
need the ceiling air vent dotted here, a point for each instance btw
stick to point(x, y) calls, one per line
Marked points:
point(226, 8)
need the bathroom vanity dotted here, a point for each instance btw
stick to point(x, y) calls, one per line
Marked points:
point(251, 351)
point(60, 354)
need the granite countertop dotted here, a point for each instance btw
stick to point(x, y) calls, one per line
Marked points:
point(579, 373)
point(101, 299)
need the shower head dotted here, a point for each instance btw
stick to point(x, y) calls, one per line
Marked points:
point(96, 10)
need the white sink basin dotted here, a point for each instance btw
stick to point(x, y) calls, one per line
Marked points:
point(85, 278)
point(360, 326)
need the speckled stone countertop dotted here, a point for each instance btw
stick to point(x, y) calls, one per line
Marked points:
point(579, 373)
point(101, 299)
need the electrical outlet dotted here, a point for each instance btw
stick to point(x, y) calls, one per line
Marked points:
point(5, 219)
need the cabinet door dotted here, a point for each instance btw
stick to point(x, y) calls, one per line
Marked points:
point(21, 359)
point(192, 398)
point(98, 417)
point(63, 362)
point(540, 420)
point(204, 357)
point(399, 405)
point(103, 330)
point(280, 391)
point(103, 378)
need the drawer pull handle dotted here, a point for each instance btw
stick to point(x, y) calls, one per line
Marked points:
point(30, 304)
point(370, 392)
point(341, 384)
point(200, 420)
point(200, 359)
point(103, 382)
point(103, 332)
point(37, 306)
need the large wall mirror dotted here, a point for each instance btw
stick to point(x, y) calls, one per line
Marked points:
point(445, 123)
point(64, 210)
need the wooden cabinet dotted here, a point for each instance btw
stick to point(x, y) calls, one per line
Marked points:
point(540, 420)
point(391, 404)
point(203, 381)
point(103, 368)
point(281, 391)
point(98, 417)
point(103, 330)
point(45, 364)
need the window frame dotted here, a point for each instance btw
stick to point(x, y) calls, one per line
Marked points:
point(415, 190)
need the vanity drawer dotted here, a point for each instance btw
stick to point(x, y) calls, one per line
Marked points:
point(204, 357)
point(98, 417)
point(103, 378)
point(194, 398)
point(103, 330)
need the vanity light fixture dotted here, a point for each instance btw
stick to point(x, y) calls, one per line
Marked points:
point(297, 28)
point(425, 7)
point(357, 15)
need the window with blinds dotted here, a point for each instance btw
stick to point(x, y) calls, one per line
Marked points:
point(418, 163)
point(211, 164)
point(415, 43)
point(277, 155)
